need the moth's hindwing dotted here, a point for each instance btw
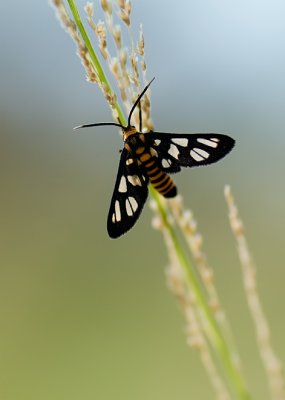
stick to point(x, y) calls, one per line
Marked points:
point(129, 196)
point(188, 150)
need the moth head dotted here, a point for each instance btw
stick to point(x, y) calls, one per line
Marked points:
point(128, 132)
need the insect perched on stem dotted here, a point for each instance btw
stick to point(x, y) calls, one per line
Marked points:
point(148, 158)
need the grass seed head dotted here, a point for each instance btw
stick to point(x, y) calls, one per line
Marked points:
point(125, 11)
point(89, 9)
point(140, 46)
point(117, 35)
point(107, 6)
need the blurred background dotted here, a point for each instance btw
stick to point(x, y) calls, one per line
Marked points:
point(84, 317)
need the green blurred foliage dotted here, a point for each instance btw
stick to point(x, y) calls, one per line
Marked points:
point(84, 317)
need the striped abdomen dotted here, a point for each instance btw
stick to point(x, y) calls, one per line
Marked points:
point(158, 178)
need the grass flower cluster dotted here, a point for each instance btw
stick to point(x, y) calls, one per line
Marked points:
point(192, 283)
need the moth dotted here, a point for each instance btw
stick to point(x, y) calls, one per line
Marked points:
point(149, 158)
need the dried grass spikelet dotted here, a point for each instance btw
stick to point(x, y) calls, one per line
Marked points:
point(196, 339)
point(71, 29)
point(107, 6)
point(102, 38)
point(188, 226)
point(115, 67)
point(117, 35)
point(148, 123)
point(176, 283)
point(89, 9)
point(135, 69)
point(99, 29)
point(123, 57)
point(110, 97)
point(271, 363)
point(140, 45)
point(125, 11)
point(83, 54)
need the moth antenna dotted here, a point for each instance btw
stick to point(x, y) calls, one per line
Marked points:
point(140, 115)
point(99, 124)
point(137, 101)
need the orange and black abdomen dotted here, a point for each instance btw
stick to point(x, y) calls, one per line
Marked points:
point(158, 178)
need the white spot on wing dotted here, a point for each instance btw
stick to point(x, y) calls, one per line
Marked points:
point(129, 161)
point(123, 185)
point(134, 180)
point(133, 203)
point(196, 156)
point(208, 142)
point(117, 211)
point(113, 218)
point(199, 154)
point(165, 163)
point(157, 142)
point(131, 206)
point(180, 141)
point(215, 139)
point(173, 151)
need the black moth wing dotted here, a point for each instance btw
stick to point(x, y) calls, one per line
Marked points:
point(188, 150)
point(129, 196)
